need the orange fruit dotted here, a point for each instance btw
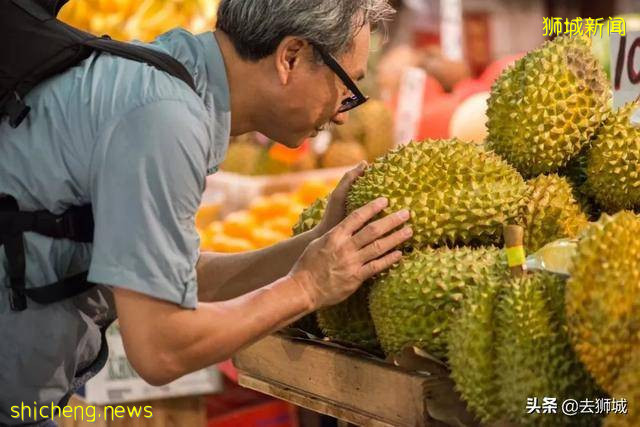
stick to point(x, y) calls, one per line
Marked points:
point(239, 224)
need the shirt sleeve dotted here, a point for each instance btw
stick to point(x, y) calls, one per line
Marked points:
point(148, 175)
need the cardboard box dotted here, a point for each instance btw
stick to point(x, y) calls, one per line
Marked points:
point(117, 382)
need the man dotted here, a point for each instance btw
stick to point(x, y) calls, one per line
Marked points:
point(137, 144)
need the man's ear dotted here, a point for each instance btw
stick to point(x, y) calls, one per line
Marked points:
point(288, 56)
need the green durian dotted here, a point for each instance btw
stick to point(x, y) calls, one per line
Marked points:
point(551, 213)
point(576, 173)
point(311, 216)
point(413, 302)
point(627, 387)
point(458, 194)
point(603, 296)
point(613, 166)
point(471, 348)
point(546, 107)
point(350, 321)
point(534, 357)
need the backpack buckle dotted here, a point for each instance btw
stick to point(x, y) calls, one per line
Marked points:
point(17, 110)
point(17, 299)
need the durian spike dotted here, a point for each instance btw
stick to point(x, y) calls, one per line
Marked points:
point(514, 246)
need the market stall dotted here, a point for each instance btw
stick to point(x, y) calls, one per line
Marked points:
point(481, 116)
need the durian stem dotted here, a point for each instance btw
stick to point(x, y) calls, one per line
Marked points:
point(514, 245)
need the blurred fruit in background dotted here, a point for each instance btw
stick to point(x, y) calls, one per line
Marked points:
point(469, 119)
point(145, 20)
point(493, 70)
point(266, 221)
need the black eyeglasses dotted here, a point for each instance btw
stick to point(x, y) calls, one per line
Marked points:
point(357, 98)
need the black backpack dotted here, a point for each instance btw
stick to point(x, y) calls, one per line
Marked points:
point(35, 46)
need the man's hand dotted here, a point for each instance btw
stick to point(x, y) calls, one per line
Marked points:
point(336, 208)
point(335, 265)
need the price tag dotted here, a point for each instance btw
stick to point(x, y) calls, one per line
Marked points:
point(410, 101)
point(451, 29)
point(625, 67)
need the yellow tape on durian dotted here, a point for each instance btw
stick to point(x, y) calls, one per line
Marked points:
point(516, 256)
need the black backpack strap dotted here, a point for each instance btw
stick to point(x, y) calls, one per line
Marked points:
point(160, 60)
point(75, 224)
point(65, 288)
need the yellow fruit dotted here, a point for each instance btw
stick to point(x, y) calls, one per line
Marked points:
point(239, 224)
point(311, 190)
point(262, 237)
point(227, 244)
point(206, 214)
point(282, 224)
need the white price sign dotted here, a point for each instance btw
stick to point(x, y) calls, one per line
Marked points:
point(409, 108)
point(451, 29)
point(625, 67)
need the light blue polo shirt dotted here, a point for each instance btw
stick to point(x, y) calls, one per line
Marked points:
point(137, 144)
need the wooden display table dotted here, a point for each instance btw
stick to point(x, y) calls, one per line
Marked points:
point(347, 386)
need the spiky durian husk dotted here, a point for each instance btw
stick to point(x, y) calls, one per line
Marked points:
point(613, 168)
point(457, 192)
point(413, 302)
point(534, 357)
point(311, 216)
point(508, 343)
point(576, 172)
point(551, 212)
point(627, 387)
point(471, 348)
point(543, 110)
point(603, 296)
point(350, 321)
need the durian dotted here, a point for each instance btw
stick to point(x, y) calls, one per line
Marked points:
point(603, 296)
point(551, 213)
point(546, 107)
point(471, 348)
point(413, 302)
point(457, 192)
point(627, 388)
point(613, 169)
point(534, 357)
point(311, 216)
point(509, 343)
point(343, 153)
point(350, 321)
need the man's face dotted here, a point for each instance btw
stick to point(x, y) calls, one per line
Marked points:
point(314, 93)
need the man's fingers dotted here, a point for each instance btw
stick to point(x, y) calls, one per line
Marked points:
point(358, 218)
point(382, 246)
point(349, 178)
point(371, 232)
point(376, 266)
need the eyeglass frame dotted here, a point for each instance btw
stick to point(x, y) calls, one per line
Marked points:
point(357, 98)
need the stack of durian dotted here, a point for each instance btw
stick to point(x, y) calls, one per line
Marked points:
point(556, 156)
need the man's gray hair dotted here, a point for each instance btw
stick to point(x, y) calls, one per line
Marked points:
point(256, 27)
